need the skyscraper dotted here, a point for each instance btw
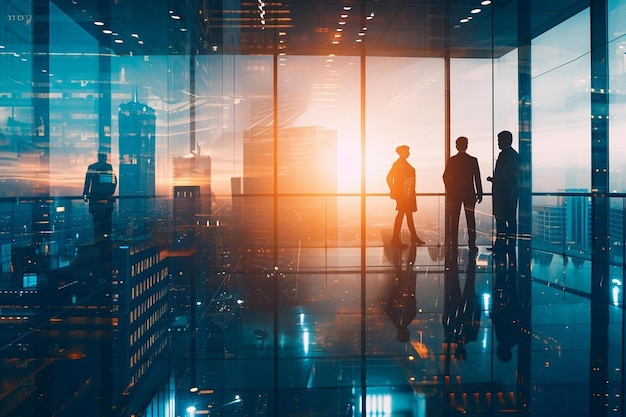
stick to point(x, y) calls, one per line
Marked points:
point(306, 180)
point(140, 317)
point(194, 169)
point(137, 155)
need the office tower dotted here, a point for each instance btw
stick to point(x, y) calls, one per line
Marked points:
point(137, 156)
point(549, 224)
point(140, 314)
point(185, 211)
point(577, 215)
point(306, 182)
point(194, 169)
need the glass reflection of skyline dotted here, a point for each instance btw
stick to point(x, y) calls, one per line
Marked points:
point(248, 223)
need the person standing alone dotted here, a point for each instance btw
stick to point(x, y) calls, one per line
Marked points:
point(100, 184)
point(401, 182)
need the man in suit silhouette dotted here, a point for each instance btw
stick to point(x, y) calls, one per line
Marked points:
point(100, 184)
point(463, 187)
point(505, 190)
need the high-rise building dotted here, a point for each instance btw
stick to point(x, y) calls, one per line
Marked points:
point(549, 224)
point(140, 317)
point(137, 170)
point(194, 169)
point(186, 207)
point(306, 180)
point(577, 215)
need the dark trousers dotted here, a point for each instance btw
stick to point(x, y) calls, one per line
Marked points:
point(453, 212)
point(101, 225)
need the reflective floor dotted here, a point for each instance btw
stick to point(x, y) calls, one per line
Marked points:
point(328, 332)
point(408, 337)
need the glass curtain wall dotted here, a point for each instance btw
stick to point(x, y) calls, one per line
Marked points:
point(561, 206)
point(255, 164)
point(617, 186)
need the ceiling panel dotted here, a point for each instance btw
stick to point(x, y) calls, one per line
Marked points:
point(461, 28)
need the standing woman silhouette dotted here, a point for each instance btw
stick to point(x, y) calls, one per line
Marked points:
point(401, 182)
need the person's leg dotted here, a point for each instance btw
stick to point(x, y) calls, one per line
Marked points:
point(415, 239)
point(471, 224)
point(511, 219)
point(454, 210)
point(97, 227)
point(397, 225)
point(501, 227)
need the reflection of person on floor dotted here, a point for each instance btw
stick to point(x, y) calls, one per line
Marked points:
point(100, 184)
point(463, 187)
point(401, 305)
point(461, 319)
point(401, 182)
point(505, 314)
point(505, 189)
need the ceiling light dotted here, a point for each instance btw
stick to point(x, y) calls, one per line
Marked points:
point(344, 15)
point(107, 31)
point(135, 35)
point(119, 41)
point(175, 17)
point(98, 23)
point(474, 11)
point(342, 23)
point(347, 7)
point(464, 20)
point(485, 2)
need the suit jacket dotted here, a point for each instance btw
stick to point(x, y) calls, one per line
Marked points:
point(100, 184)
point(462, 177)
point(505, 187)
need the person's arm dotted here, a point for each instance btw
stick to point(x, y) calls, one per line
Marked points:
point(478, 183)
point(87, 186)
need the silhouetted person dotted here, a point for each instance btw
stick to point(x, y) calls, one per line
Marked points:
point(505, 189)
point(462, 312)
point(401, 181)
point(100, 184)
point(402, 307)
point(463, 187)
point(505, 315)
